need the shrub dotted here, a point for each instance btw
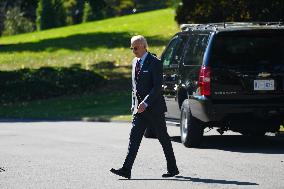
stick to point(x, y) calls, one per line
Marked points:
point(16, 23)
point(74, 11)
point(59, 13)
point(31, 84)
point(204, 11)
point(88, 13)
point(45, 15)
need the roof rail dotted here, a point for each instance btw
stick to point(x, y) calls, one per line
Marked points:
point(185, 27)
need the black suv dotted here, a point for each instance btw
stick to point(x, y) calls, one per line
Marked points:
point(225, 75)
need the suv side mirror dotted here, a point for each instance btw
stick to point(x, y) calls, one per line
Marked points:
point(154, 54)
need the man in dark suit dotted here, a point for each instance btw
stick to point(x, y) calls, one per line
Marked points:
point(148, 107)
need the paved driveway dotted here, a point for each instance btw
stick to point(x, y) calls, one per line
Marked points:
point(80, 154)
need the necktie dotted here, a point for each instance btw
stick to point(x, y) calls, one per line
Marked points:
point(137, 68)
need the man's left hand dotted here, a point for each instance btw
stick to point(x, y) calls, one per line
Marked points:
point(141, 107)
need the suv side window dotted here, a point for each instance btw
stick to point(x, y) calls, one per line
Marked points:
point(196, 49)
point(173, 53)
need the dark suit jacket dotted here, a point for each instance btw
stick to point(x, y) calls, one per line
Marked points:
point(148, 86)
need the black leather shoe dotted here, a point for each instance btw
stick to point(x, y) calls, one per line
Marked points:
point(121, 172)
point(170, 174)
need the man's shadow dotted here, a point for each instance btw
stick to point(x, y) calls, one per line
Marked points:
point(200, 180)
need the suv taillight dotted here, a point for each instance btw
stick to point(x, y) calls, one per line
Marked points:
point(204, 81)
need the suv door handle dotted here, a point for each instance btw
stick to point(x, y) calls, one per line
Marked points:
point(174, 77)
point(174, 65)
point(176, 87)
point(164, 76)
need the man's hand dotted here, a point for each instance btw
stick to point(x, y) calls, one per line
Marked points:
point(141, 108)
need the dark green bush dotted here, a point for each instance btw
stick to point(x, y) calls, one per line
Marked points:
point(87, 14)
point(45, 15)
point(74, 11)
point(204, 11)
point(16, 23)
point(31, 84)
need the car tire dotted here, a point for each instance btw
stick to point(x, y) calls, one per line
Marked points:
point(150, 133)
point(190, 127)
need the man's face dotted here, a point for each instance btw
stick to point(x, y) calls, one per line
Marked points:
point(138, 49)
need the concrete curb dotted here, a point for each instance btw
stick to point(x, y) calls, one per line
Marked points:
point(61, 120)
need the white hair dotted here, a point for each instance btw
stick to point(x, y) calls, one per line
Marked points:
point(141, 39)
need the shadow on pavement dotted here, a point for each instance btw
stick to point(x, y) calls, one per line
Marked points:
point(192, 179)
point(243, 144)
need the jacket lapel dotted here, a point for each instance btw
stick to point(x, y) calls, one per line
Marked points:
point(134, 91)
point(144, 66)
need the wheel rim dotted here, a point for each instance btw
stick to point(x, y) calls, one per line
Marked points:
point(184, 126)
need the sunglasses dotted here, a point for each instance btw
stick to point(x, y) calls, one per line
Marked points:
point(134, 48)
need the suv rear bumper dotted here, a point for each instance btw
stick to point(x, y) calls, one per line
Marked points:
point(203, 109)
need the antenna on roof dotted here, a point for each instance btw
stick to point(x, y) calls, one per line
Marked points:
point(224, 19)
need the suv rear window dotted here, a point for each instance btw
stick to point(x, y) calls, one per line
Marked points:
point(196, 49)
point(245, 50)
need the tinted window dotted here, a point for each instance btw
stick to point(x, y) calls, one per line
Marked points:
point(173, 53)
point(195, 51)
point(180, 48)
point(247, 50)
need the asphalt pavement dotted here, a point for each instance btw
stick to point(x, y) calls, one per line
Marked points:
point(80, 154)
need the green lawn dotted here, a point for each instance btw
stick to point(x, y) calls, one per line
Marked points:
point(100, 46)
point(87, 44)
point(88, 107)
point(281, 128)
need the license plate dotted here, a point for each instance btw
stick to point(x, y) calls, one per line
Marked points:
point(263, 85)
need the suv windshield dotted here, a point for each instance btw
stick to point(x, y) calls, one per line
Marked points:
point(246, 49)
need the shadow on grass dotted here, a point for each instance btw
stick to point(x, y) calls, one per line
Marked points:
point(243, 144)
point(118, 77)
point(81, 42)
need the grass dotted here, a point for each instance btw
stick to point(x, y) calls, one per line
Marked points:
point(87, 44)
point(88, 107)
point(101, 46)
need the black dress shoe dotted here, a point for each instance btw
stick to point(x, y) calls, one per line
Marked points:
point(121, 172)
point(170, 174)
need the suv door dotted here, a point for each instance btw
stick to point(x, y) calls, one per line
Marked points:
point(193, 59)
point(171, 59)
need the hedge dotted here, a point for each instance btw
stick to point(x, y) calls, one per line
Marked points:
point(47, 82)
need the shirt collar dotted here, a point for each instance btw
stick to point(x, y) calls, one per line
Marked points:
point(143, 58)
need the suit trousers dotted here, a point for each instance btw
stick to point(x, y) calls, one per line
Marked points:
point(139, 124)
